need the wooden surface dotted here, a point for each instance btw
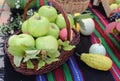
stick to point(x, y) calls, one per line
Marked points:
point(5, 12)
point(105, 4)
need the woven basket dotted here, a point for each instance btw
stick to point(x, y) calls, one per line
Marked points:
point(74, 6)
point(63, 56)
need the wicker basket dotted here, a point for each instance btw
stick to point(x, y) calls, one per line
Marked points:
point(74, 6)
point(48, 67)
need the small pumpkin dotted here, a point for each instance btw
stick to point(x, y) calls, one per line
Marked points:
point(22, 3)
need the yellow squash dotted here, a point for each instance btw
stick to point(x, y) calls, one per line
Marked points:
point(77, 27)
point(97, 61)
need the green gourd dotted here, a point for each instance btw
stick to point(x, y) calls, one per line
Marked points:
point(11, 3)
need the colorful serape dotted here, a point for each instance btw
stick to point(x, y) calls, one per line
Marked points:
point(67, 72)
point(74, 69)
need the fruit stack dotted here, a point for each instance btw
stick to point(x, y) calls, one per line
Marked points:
point(43, 41)
point(115, 10)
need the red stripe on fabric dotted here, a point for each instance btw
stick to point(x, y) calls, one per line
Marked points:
point(109, 42)
point(115, 72)
point(116, 68)
point(58, 73)
point(103, 20)
point(100, 16)
point(41, 2)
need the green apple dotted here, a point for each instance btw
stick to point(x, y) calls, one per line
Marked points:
point(71, 20)
point(37, 26)
point(24, 27)
point(21, 42)
point(47, 43)
point(25, 24)
point(119, 5)
point(35, 15)
point(118, 1)
point(54, 30)
point(113, 6)
point(60, 21)
point(49, 12)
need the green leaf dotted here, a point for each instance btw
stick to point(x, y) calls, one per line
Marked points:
point(31, 54)
point(40, 64)
point(65, 45)
point(84, 16)
point(50, 60)
point(17, 60)
point(35, 52)
point(28, 57)
point(30, 64)
point(78, 20)
point(53, 53)
point(15, 51)
point(60, 42)
point(68, 48)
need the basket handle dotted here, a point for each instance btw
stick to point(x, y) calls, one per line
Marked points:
point(58, 7)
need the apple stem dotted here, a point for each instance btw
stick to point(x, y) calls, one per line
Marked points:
point(38, 18)
point(43, 52)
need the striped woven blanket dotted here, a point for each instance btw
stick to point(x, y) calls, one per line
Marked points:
point(74, 69)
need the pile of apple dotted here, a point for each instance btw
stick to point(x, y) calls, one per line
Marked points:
point(115, 9)
point(115, 5)
point(43, 35)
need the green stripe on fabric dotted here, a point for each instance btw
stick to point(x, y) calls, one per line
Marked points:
point(103, 28)
point(38, 3)
point(50, 76)
point(108, 49)
point(66, 71)
point(114, 41)
point(46, 2)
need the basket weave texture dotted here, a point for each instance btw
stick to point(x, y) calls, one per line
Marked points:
point(64, 55)
point(74, 6)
